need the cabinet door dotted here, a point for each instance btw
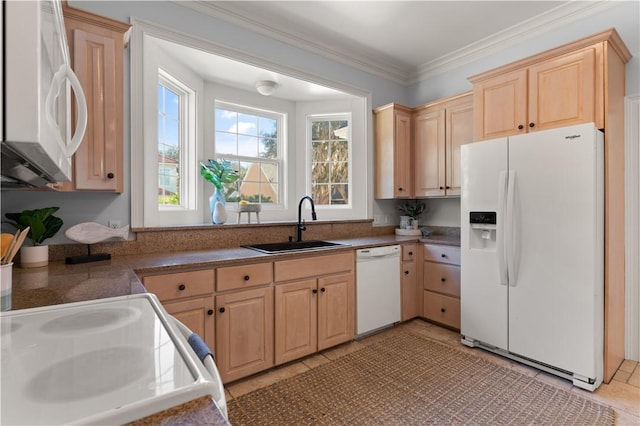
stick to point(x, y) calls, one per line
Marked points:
point(562, 91)
point(402, 151)
point(410, 300)
point(459, 131)
point(244, 333)
point(198, 315)
point(500, 106)
point(296, 306)
point(429, 159)
point(336, 310)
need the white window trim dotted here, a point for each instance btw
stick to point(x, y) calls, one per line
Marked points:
point(142, 29)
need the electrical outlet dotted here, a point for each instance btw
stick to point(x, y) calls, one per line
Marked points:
point(114, 224)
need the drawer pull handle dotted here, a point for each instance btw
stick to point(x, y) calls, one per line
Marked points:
point(443, 255)
point(210, 311)
point(443, 310)
point(246, 277)
point(221, 310)
point(314, 291)
point(182, 287)
point(443, 279)
point(323, 289)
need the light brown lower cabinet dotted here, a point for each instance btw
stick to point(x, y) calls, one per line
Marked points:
point(244, 332)
point(441, 284)
point(313, 313)
point(410, 290)
point(197, 314)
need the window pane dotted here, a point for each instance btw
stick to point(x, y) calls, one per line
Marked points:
point(267, 127)
point(320, 172)
point(226, 143)
point(339, 194)
point(340, 151)
point(339, 129)
point(247, 146)
point(268, 148)
point(270, 172)
point(171, 103)
point(247, 124)
point(319, 130)
point(226, 121)
point(340, 173)
point(320, 193)
point(320, 151)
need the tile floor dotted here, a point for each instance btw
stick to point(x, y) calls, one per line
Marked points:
point(622, 394)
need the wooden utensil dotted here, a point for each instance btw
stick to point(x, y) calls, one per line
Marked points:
point(16, 247)
point(12, 244)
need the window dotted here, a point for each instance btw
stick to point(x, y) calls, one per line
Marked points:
point(169, 126)
point(330, 160)
point(251, 140)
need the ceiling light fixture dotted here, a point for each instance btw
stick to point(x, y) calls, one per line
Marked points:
point(266, 87)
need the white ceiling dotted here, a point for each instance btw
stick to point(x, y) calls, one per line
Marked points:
point(399, 40)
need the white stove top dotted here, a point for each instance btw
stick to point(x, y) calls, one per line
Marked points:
point(105, 361)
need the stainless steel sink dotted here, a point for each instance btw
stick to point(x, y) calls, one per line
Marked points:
point(293, 246)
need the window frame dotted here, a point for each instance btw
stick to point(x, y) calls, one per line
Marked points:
point(280, 161)
point(310, 119)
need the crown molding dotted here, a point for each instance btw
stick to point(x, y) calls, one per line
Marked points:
point(391, 70)
point(531, 28)
point(369, 63)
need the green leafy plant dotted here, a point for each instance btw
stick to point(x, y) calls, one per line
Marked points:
point(218, 172)
point(43, 224)
point(412, 208)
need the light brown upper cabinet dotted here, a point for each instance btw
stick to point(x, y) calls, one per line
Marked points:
point(556, 88)
point(96, 46)
point(439, 129)
point(583, 81)
point(393, 163)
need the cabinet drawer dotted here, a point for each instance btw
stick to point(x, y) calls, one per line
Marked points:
point(306, 267)
point(409, 252)
point(443, 254)
point(442, 309)
point(243, 276)
point(180, 284)
point(442, 278)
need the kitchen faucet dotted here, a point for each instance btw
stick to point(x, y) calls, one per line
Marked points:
point(300, 226)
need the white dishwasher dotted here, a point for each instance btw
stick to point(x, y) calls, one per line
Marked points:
point(377, 288)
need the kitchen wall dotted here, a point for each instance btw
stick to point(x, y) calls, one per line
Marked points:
point(82, 207)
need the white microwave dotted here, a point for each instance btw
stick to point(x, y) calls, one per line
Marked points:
point(37, 138)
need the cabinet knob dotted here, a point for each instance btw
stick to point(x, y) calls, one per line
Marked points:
point(210, 311)
point(443, 255)
point(406, 272)
point(246, 278)
point(443, 279)
point(110, 175)
point(182, 287)
point(441, 188)
point(410, 253)
point(532, 125)
point(323, 289)
point(443, 310)
point(400, 189)
point(520, 127)
point(447, 187)
point(314, 291)
point(221, 310)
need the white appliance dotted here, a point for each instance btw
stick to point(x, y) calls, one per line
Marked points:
point(377, 288)
point(108, 361)
point(532, 251)
point(37, 140)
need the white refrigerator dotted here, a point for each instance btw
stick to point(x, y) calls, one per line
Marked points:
point(532, 250)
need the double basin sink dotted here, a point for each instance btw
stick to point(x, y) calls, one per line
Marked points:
point(293, 246)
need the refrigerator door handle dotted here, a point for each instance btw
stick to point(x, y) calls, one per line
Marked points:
point(502, 195)
point(510, 237)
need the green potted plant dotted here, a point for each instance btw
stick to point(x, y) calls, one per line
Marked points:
point(43, 225)
point(218, 173)
point(411, 211)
